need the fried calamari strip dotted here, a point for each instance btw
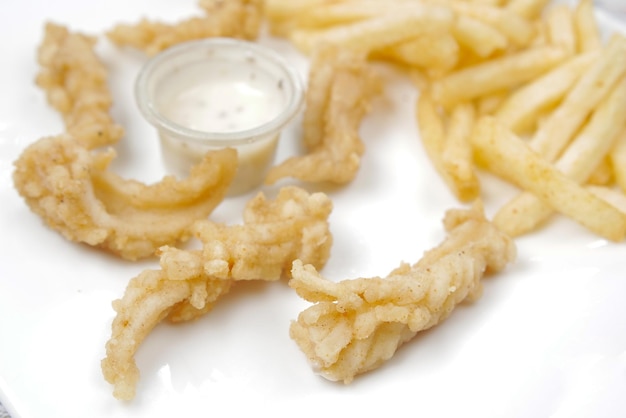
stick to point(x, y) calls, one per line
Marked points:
point(75, 82)
point(66, 182)
point(232, 18)
point(273, 235)
point(356, 325)
point(341, 87)
point(70, 188)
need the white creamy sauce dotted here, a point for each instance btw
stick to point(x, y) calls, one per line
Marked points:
point(220, 99)
point(225, 101)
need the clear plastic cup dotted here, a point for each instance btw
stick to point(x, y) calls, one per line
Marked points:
point(216, 93)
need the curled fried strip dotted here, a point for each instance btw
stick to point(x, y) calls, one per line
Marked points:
point(71, 189)
point(274, 234)
point(67, 183)
point(75, 82)
point(341, 86)
point(232, 18)
point(356, 325)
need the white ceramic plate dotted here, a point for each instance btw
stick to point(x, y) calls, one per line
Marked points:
point(546, 339)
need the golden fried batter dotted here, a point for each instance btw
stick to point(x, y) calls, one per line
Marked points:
point(356, 325)
point(70, 188)
point(75, 82)
point(274, 234)
point(66, 182)
point(232, 18)
point(341, 86)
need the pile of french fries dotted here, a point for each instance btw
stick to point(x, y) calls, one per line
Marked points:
point(525, 89)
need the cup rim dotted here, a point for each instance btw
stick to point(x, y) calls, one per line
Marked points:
point(152, 114)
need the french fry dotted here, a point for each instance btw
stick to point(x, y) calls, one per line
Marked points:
point(379, 32)
point(516, 28)
point(529, 9)
point(433, 136)
point(617, 157)
point(614, 197)
point(509, 157)
point(521, 110)
point(602, 175)
point(343, 12)
point(554, 135)
point(526, 211)
point(456, 156)
point(495, 75)
point(487, 105)
point(586, 27)
point(288, 9)
point(560, 22)
point(597, 138)
point(490, 2)
point(479, 37)
point(435, 51)
point(282, 15)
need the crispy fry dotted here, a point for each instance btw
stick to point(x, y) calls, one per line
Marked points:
point(69, 187)
point(487, 105)
point(189, 283)
point(526, 211)
point(449, 151)
point(617, 157)
point(438, 52)
point(516, 28)
point(491, 2)
point(356, 325)
point(344, 12)
point(529, 9)
point(457, 152)
point(614, 197)
point(278, 10)
point(349, 84)
point(560, 22)
point(590, 89)
point(495, 75)
point(232, 18)
point(378, 32)
point(75, 82)
point(283, 16)
point(508, 156)
point(587, 31)
point(520, 111)
point(603, 174)
point(479, 37)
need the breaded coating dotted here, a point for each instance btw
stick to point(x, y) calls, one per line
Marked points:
point(233, 18)
point(75, 82)
point(70, 188)
point(340, 89)
point(356, 325)
point(273, 235)
point(65, 180)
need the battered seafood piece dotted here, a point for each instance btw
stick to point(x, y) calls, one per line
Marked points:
point(75, 82)
point(341, 87)
point(274, 234)
point(70, 188)
point(66, 182)
point(233, 18)
point(356, 325)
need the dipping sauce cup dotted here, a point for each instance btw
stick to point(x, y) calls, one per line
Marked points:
point(216, 93)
